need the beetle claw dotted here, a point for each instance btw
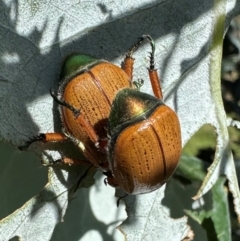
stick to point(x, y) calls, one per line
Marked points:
point(30, 141)
point(25, 146)
point(105, 181)
point(120, 198)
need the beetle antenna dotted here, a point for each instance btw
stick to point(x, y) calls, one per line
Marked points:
point(65, 104)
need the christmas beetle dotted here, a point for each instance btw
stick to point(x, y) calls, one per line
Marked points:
point(86, 91)
point(145, 141)
point(144, 144)
point(131, 136)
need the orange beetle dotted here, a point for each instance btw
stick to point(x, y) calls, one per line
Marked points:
point(145, 141)
point(133, 137)
point(91, 90)
point(144, 144)
point(85, 96)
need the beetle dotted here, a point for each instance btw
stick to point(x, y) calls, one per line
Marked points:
point(131, 136)
point(144, 144)
point(145, 141)
point(85, 95)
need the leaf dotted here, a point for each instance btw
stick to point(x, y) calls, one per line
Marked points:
point(49, 207)
point(211, 212)
point(46, 206)
point(140, 221)
point(188, 37)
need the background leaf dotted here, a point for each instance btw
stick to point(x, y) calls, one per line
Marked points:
point(36, 36)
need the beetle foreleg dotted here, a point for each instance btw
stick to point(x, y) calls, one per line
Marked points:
point(135, 47)
point(153, 75)
point(128, 62)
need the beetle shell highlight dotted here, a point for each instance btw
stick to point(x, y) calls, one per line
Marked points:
point(145, 144)
point(90, 86)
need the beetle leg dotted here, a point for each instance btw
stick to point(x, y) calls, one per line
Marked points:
point(128, 66)
point(120, 198)
point(112, 182)
point(67, 161)
point(129, 60)
point(153, 75)
point(30, 141)
point(90, 169)
point(80, 118)
point(135, 47)
point(47, 137)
